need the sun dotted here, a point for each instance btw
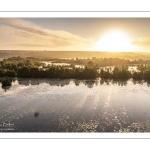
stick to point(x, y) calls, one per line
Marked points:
point(114, 41)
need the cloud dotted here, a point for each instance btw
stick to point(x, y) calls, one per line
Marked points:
point(142, 42)
point(21, 33)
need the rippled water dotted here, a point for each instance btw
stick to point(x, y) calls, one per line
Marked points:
point(52, 105)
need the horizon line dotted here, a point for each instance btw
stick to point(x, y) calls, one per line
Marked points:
point(80, 51)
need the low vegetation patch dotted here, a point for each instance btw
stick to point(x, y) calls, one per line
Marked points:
point(6, 81)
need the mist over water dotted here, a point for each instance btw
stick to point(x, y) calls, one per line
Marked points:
point(53, 105)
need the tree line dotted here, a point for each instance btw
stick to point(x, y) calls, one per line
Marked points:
point(30, 68)
point(122, 72)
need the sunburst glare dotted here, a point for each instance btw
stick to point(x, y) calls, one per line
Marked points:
point(114, 41)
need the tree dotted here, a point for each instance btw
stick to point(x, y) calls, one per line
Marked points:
point(23, 72)
point(6, 81)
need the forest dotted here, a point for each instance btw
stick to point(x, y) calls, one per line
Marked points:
point(31, 67)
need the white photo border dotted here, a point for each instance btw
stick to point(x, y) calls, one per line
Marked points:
point(73, 14)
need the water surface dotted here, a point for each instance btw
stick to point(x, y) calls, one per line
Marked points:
point(53, 105)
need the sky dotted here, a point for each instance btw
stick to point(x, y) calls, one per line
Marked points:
point(77, 34)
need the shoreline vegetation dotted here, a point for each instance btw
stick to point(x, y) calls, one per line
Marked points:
point(31, 67)
point(6, 81)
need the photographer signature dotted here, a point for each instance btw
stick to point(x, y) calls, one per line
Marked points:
point(4, 124)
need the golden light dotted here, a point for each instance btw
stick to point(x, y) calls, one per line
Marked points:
point(114, 41)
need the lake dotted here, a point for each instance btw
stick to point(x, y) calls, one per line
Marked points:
point(131, 68)
point(50, 63)
point(55, 64)
point(53, 105)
